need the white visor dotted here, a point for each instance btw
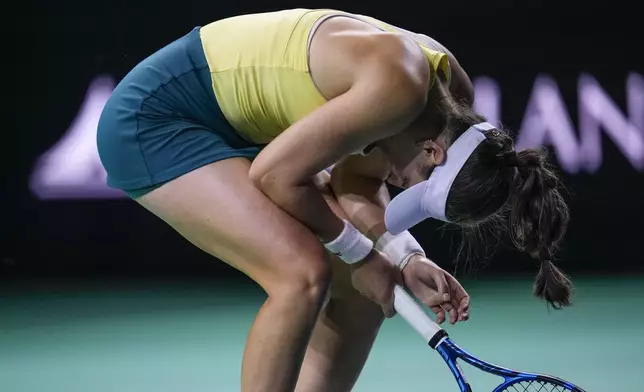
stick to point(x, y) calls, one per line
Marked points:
point(429, 198)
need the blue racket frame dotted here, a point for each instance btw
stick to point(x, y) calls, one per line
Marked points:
point(438, 339)
point(450, 352)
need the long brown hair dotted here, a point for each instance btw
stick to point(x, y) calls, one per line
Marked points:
point(520, 187)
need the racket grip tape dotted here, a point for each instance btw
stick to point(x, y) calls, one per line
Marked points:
point(409, 309)
point(433, 342)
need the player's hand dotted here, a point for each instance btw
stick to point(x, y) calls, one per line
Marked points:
point(437, 289)
point(375, 278)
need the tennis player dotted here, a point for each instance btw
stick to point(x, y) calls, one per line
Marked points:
point(226, 133)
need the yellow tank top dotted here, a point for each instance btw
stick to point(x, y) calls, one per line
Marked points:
point(260, 72)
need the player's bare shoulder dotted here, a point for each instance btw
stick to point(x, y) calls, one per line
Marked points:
point(342, 48)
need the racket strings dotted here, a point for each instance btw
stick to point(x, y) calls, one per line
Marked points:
point(535, 386)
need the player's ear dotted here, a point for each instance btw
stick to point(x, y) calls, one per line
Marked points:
point(435, 152)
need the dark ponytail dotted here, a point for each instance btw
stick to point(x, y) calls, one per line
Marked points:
point(497, 184)
point(538, 221)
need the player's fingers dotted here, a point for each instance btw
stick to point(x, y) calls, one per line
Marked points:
point(440, 314)
point(441, 294)
point(464, 309)
point(453, 315)
point(458, 316)
point(386, 300)
point(462, 305)
point(460, 299)
point(431, 298)
point(441, 284)
point(456, 306)
point(388, 309)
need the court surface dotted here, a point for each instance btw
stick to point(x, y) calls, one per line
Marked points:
point(188, 337)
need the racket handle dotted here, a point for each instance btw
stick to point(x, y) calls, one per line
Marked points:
point(409, 309)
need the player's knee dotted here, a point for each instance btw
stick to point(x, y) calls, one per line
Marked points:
point(307, 277)
point(311, 282)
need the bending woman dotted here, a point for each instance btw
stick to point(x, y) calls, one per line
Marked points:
point(226, 133)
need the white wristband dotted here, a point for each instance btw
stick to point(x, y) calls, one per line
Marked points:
point(351, 245)
point(400, 247)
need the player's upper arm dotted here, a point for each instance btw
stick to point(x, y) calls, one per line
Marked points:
point(388, 86)
point(461, 86)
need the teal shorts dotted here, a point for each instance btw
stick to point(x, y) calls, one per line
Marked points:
point(163, 121)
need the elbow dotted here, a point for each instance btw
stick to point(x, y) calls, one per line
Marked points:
point(272, 182)
point(264, 180)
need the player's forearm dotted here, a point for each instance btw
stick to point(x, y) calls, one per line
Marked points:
point(363, 199)
point(305, 203)
point(363, 196)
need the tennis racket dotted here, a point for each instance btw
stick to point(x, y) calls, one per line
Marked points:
point(436, 337)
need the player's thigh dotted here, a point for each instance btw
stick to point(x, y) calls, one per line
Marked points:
point(217, 208)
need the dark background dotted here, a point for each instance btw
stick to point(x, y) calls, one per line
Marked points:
point(57, 48)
